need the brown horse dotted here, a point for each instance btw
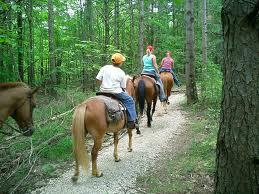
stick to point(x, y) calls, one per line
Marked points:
point(168, 83)
point(146, 89)
point(91, 117)
point(18, 101)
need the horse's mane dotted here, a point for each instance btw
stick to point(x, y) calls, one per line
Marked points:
point(9, 85)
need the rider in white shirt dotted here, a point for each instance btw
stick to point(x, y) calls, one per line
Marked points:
point(112, 79)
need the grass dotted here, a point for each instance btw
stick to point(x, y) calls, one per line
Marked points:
point(192, 167)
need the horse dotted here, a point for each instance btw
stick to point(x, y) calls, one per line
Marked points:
point(130, 89)
point(18, 101)
point(146, 89)
point(91, 117)
point(168, 83)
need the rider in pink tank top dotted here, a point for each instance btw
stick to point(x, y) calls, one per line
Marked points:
point(167, 65)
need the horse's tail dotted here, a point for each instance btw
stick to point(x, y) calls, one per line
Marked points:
point(78, 137)
point(141, 95)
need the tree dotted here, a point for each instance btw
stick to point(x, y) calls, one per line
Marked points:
point(52, 65)
point(204, 32)
point(106, 29)
point(191, 90)
point(141, 31)
point(20, 40)
point(31, 50)
point(238, 137)
point(116, 23)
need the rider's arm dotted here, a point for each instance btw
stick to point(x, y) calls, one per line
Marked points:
point(172, 64)
point(99, 82)
point(99, 77)
point(155, 64)
point(162, 62)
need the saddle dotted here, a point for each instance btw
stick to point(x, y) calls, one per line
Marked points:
point(114, 108)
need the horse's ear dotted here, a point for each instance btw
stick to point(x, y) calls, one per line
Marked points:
point(33, 91)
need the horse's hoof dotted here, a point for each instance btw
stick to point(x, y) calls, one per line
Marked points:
point(168, 102)
point(149, 125)
point(138, 132)
point(98, 175)
point(74, 179)
point(117, 160)
point(129, 149)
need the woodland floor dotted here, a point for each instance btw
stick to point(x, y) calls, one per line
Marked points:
point(167, 138)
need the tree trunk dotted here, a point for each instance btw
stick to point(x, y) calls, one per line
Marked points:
point(52, 65)
point(20, 41)
point(237, 169)
point(204, 32)
point(140, 35)
point(191, 90)
point(116, 24)
point(132, 53)
point(106, 30)
point(31, 77)
point(90, 19)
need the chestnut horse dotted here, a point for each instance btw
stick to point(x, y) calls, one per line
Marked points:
point(90, 117)
point(146, 90)
point(168, 83)
point(18, 101)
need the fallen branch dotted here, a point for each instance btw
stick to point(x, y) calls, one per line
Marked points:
point(56, 117)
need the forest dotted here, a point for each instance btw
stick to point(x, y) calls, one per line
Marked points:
point(60, 45)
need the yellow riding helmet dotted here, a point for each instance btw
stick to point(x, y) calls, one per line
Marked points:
point(117, 58)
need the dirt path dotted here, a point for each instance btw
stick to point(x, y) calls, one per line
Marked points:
point(119, 177)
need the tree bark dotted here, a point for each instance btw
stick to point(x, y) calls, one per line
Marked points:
point(140, 35)
point(52, 65)
point(191, 90)
point(237, 161)
point(20, 41)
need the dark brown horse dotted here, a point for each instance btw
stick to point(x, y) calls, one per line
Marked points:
point(146, 90)
point(168, 83)
point(18, 101)
point(91, 117)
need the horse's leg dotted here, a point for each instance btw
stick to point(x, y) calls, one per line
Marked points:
point(137, 127)
point(130, 139)
point(97, 146)
point(149, 118)
point(154, 107)
point(116, 140)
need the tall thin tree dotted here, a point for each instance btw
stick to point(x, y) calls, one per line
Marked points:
point(52, 65)
point(237, 169)
point(20, 40)
point(191, 90)
point(140, 33)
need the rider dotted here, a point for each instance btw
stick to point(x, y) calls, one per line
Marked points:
point(112, 79)
point(150, 67)
point(167, 65)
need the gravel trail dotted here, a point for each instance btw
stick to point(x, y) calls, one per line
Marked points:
point(119, 176)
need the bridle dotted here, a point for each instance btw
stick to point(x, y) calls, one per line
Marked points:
point(12, 127)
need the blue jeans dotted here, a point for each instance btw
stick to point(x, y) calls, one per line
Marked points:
point(162, 96)
point(177, 82)
point(129, 103)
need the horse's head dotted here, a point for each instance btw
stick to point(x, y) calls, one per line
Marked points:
point(23, 113)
